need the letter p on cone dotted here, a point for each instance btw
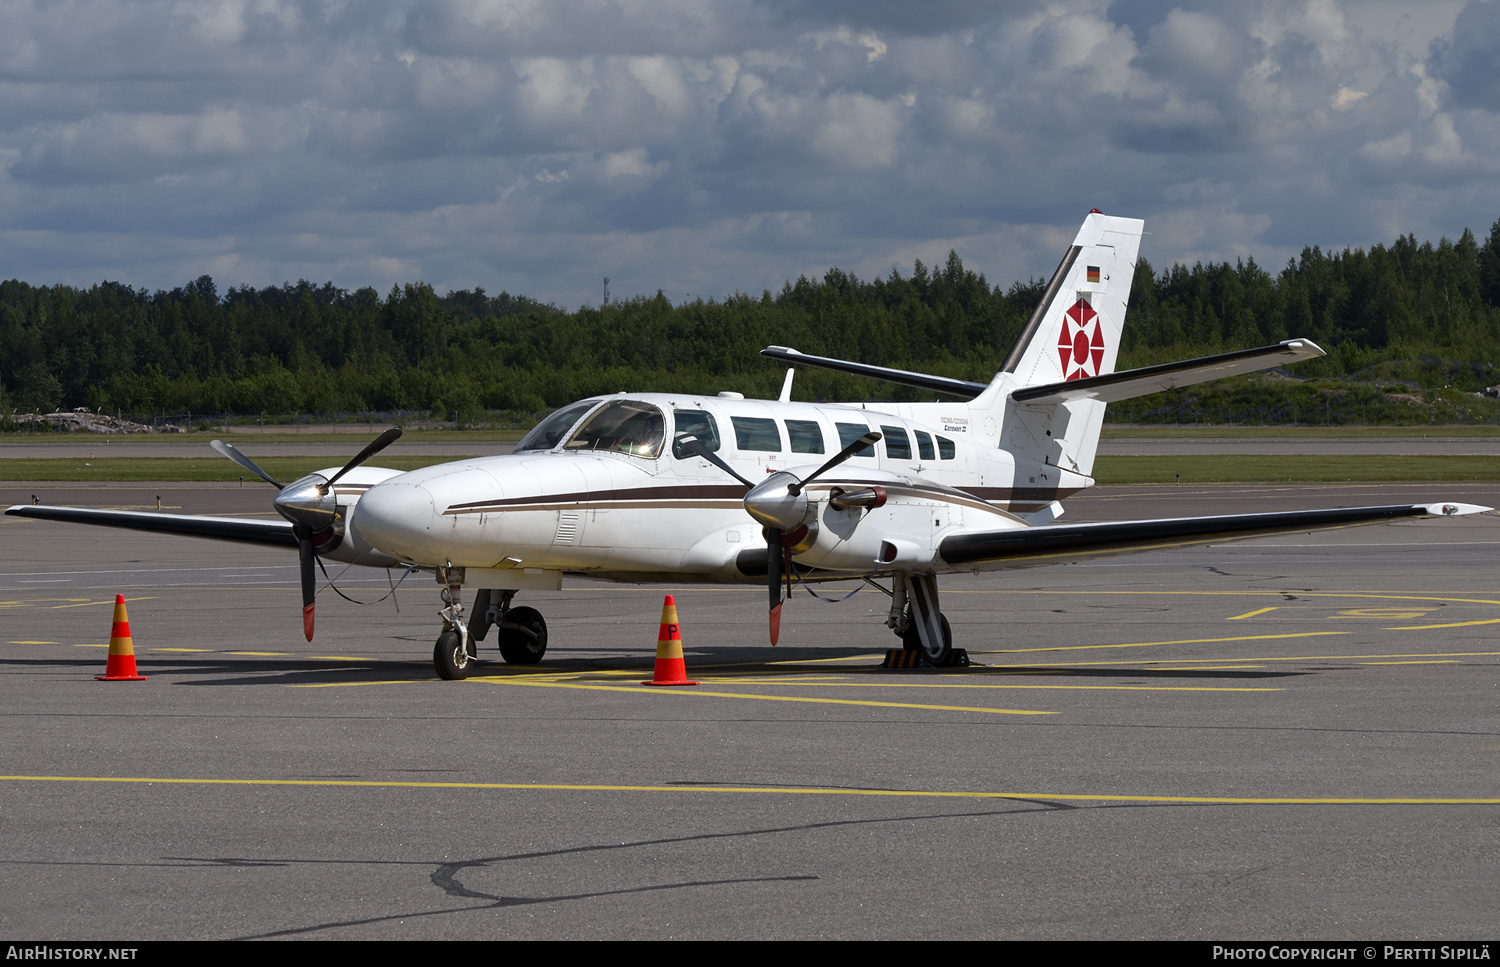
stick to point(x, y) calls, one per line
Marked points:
point(120, 667)
point(670, 668)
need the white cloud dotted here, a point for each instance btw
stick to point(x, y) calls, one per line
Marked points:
point(709, 146)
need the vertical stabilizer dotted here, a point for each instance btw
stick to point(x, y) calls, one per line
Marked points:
point(1073, 334)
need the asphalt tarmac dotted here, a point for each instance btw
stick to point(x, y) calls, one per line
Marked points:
point(1286, 738)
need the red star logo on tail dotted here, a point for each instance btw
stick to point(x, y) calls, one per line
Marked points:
point(1080, 345)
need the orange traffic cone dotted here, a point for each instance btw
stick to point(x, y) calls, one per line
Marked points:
point(670, 668)
point(121, 664)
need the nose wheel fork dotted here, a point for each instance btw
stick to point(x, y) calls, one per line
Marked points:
point(453, 656)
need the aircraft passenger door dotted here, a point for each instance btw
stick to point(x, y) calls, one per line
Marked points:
point(899, 452)
point(701, 424)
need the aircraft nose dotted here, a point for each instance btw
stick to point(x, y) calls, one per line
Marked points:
point(396, 518)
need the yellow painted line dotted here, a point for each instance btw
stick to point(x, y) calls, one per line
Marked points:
point(782, 679)
point(1240, 617)
point(814, 661)
point(59, 607)
point(639, 690)
point(1206, 668)
point(1148, 644)
point(91, 646)
point(1448, 662)
point(1244, 594)
point(263, 654)
point(1456, 624)
point(392, 681)
point(182, 649)
point(1101, 688)
point(780, 791)
point(1186, 661)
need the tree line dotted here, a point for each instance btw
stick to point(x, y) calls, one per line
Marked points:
point(1408, 313)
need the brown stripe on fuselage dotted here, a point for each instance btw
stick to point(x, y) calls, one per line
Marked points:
point(1005, 500)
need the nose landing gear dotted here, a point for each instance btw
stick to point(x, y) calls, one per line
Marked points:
point(522, 632)
point(453, 656)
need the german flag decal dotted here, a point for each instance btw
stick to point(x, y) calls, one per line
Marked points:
point(1093, 273)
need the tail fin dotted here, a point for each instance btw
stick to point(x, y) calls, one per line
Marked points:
point(1073, 334)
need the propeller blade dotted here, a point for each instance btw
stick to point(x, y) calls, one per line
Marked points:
point(696, 445)
point(869, 439)
point(379, 443)
point(773, 579)
point(229, 451)
point(309, 585)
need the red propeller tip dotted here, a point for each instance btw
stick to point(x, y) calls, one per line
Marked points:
point(307, 620)
point(775, 624)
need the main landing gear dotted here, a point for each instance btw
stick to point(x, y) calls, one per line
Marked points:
point(522, 632)
point(915, 618)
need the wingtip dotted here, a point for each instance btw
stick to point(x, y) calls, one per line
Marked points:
point(1450, 509)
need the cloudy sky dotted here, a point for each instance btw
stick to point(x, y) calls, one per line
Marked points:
point(703, 147)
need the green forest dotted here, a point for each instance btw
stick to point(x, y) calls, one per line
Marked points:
point(1407, 323)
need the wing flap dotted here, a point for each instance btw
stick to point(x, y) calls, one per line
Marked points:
point(1113, 387)
point(273, 532)
point(1058, 543)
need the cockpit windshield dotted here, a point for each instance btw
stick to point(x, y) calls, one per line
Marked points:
point(548, 433)
point(624, 426)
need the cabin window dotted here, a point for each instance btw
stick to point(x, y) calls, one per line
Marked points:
point(756, 433)
point(695, 423)
point(924, 446)
point(849, 432)
point(946, 449)
point(549, 433)
point(622, 426)
point(806, 436)
point(897, 443)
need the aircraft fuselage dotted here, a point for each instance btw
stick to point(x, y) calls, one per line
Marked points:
point(632, 509)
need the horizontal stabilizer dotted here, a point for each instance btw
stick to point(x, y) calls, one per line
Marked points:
point(1113, 387)
point(1060, 543)
point(274, 532)
point(937, 384)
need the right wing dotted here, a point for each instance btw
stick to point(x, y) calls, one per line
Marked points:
point(277, 533)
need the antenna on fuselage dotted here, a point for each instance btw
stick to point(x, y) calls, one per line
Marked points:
point(786, 387)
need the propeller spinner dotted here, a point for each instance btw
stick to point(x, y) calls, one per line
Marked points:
point(310, 504)
point(779, 503)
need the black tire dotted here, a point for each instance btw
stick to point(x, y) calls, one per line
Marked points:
point(912, 641)
point(451, 658)
point(516, 646)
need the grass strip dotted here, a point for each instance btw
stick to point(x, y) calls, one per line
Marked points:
point(1298, 468)
point(186, 469)
point(1116, 470)
point(1173, 431)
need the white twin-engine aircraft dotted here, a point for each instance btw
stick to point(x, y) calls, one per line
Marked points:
point(680, 487)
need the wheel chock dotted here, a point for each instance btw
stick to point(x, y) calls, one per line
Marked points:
point(916, 658)
point(670, 667)
point(120, 666)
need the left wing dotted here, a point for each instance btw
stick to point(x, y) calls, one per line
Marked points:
point(277, 533)
point(1130, 383)
point(1056, 543)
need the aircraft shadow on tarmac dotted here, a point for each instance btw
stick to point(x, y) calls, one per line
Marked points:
point(226, 670)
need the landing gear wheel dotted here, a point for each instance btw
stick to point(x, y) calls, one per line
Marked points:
point(911, 640)
point(523, 636)
point(451, 657)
